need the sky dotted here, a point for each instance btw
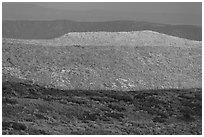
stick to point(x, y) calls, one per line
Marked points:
point(170, 7)
point(188, 13)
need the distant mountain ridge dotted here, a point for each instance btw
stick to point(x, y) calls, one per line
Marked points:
point(130, 38)
point(141, 12)
point(24, 29)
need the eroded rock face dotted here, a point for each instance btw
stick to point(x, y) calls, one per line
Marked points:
point(102, 60)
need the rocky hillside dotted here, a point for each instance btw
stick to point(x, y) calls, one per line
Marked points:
point(53, 29)
point(75, 84)
point(148, 60)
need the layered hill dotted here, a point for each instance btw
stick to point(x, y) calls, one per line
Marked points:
point(52, 29)
point(102, 60)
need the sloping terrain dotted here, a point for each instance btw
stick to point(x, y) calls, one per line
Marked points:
point(79, 84)
point(155, 61)
point(53, 29)
point(32, 109)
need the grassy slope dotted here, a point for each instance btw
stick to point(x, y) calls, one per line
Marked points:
point(53, 29)
point(32, 109)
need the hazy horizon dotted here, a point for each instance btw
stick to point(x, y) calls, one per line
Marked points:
point(175, 13)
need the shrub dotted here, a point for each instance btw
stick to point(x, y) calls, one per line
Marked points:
point(40, 116)
point(6, 125)
point(14, 125)
point(9, 101)
point(37, 132)
point(93, 132)
point(19, 126)
point(186, 114)
point(116, 115)
point(116, 107)
point(158, 119)
point(89, 116)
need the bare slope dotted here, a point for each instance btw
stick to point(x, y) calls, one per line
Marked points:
point(133, 38)
point(145, 60)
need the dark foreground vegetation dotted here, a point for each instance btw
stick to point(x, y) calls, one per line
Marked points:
point(34, 109)
point(52, 29)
